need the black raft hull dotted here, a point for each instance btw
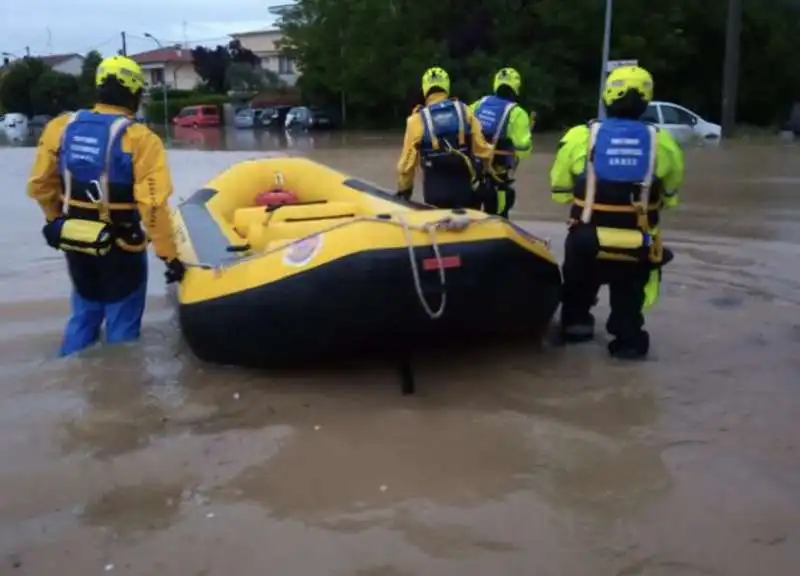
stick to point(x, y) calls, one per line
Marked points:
point(367, 304)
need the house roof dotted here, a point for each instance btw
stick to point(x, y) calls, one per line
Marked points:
point(159, 55)
point(56, 59)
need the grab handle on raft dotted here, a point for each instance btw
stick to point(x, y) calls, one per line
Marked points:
point(308, 203)
point(238, 248)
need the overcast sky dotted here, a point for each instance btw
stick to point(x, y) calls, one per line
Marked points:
point(59, 26)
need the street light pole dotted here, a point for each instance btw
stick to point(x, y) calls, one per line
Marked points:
point(604, 66)
point(730, 74)
point(164, 87)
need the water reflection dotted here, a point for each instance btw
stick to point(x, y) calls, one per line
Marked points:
point(229, 138)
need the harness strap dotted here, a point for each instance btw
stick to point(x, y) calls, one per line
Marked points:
point(643, 205)
point(462, 139)
point(67, 175)
point(506, 112)
point(493, 145)
point(622, 209)
point(100, 193)
point(428, 120)
point(113, 206)
point(644, 198)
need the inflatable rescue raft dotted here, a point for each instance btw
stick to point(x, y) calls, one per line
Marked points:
point(346, 269)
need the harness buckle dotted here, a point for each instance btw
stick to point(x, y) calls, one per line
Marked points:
point(94, 191)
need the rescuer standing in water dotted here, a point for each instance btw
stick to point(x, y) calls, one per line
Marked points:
point(98, 176)
point(445, 138)
point(617, 173)
point(507, 128)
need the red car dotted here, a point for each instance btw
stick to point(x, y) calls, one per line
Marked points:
point(198, 117)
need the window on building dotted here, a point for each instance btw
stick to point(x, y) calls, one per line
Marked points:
point(285, 65)
point(157, 76)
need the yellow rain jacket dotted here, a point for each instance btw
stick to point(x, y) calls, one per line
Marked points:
point(570, 164)
point(415, 130)
point(152, 186)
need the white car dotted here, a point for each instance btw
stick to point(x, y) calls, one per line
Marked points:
point(15, 127)
point(683, 124)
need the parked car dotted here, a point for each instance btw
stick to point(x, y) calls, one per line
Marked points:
point(198, 116)
point(682, 123)
point(39, 120)
point(307, 118)
point(248, 118)
point(15, 128)
point(275, 116)
point(793, 124)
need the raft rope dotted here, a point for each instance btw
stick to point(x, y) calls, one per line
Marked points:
point(456, 223)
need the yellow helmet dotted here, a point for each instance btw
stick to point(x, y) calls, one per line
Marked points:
point(123, 69)
point(626, 78)
point(508, 77)
point(435, 78)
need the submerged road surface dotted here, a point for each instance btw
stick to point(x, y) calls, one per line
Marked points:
point(138, 460)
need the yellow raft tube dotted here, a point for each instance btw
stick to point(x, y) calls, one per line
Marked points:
point(349, 270)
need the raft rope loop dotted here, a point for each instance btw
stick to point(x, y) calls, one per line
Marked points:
point(457, 223)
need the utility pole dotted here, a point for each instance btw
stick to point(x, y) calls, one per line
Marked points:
point(164, 88)
point(601, 111)
point(730, 71)
point(124, 51)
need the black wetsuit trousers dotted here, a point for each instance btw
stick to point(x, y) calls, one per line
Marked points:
point(446, 189)
point(626, 283)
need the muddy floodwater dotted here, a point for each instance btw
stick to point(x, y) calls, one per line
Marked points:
point(139, 460)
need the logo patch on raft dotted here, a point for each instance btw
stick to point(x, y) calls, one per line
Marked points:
point(302, 252)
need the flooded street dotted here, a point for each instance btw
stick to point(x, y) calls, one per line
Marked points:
point(139, 460)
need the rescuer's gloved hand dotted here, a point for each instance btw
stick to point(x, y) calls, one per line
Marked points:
point(52, 231)
point(175, 271)
point(405, 194)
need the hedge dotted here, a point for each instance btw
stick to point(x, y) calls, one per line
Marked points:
point(155, 108)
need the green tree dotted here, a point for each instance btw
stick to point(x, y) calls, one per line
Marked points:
point(19, 81)
point(54, 92)
point(244, 77)
point(31, 87)
point(88, 72)
point(374, 52)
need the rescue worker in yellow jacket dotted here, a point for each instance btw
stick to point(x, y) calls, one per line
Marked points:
point(617, 174)
point(507, 128)
point(445, 138)
point(98, 177)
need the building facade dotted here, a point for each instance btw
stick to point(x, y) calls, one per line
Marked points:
point(64, 63)
point(266, 45)
point(172, 66)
